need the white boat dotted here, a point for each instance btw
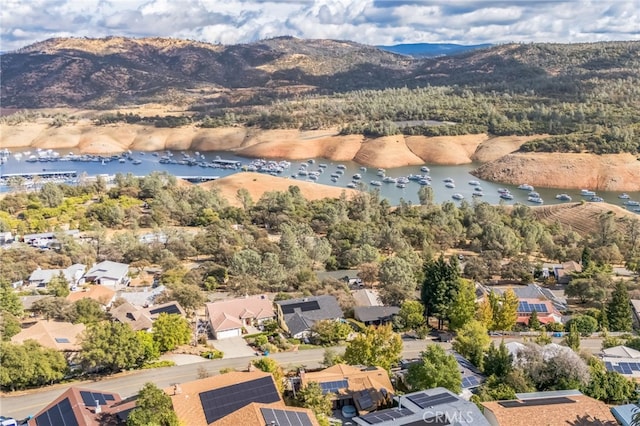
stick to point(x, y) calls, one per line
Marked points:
point(563, 197)
point(474, 182)
point(401, 185)
point(352, 185)
point(448, 180)
point(389, 179)
point(537, 200)
point(596, 199)
point(632, 203)
point(457, 196)
point(477, 194)
point(376, 183)
point(624, 196)
point(357, 176)
point(525, 187)
point(587, 193)
point(534, 194)
point(424, 169)
point(381, 172)
point(506, 196)
point(424, 182)
point(450, 185)
point(477, 189)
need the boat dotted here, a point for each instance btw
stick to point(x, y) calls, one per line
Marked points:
point(357, 176)
point(424, 182)
point(535, 199)
point(448, 180)
point(136, 162)
point(477, 194)
point(587, 193)
point(401, 185)
point(624, 196)
point(334, 179)
point(381, 172)
point(563, 197)
point(424, 169)
point(477, 189)
point(503, 191)
point(596, 199)
point(506, 196)
point(363, 168)
point(352, 185)
point(525, 187)
point(389, 179)
point(450, 185)
point(457, 196)
point(376, 183)
point(322, 165)
point(341, 166)
point(534, 194)
point(474, 182)
point(632, 203)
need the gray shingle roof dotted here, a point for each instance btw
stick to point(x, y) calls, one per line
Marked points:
point(309, 310)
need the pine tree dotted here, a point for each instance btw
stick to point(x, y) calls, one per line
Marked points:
point(619, 309)
point(534, 322)
point(573, 338)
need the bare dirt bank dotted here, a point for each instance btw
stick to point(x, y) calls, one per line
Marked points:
point(501, 161)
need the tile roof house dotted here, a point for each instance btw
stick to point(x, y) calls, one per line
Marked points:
point(108, 273)
point(258, 414)
point(551, 408)
point(437, 406)
point(60, 336)
point(41, 277)
point(84, 407)
point(375, 315)
point(534, 291)
point(297, 316)
point(367, 388)
point(228, 317)
point(104, 295)
point(143, 318)
point(563, 272)
point(546, 311)
point(206, 401)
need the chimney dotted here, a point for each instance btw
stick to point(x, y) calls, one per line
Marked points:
point(98, 407)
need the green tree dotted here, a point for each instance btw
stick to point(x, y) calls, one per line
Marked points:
point(436, 368)
point(111, 346)
point(58, 286)
point(87, 311)
point(153, 407)
point(438, 287)
point(329, 332)
point(534, 322)
point(375, 346)
point(270, 365)
point(412, 314)
point(484, 314)
point(9, 299)
point(397, 281)
point(190, 297)
point(498, 361)
point(619, 309)
point(472, 341)
point(312, 397)
point(463, 306)
point(9, 325)
point(585, 324)
point(171, 331)
point(573, 338)
point(505, 311)
point(608, 386)
point(29, 364)
point(331, 358)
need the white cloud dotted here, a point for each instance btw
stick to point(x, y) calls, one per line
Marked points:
point(364, 21)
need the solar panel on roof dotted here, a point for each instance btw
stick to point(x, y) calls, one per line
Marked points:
point(335, 386)
point(386, 415)
point(218, 403)
point(60, 414)
point(617, 368)
point(285, 417)
point(470, 381)
point(311, 305)
point(608, 366)
point(424, 400)
point(90, 398)
point(365, 401)
point(626, 369)
point(170, 309)
point(62, 340)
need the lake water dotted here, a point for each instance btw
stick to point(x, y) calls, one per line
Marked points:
point(460, 175)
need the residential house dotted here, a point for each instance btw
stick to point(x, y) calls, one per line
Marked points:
point(46, 240)
point(563, 272)
point(366, 388)
point(84, 407)
point(143, 318)
point(545, 310)
point(108, 273)
point(375, 315)
point(42, 277)
point(437, 406)
point(227, 318)
point(57, 335)
point(472, 378)
point(366, 297)
point(207, 401)
point(143, 297)
point(623, 360)
point(297, 316)
point(534, 291)
point(102, 294)
point(565, 407)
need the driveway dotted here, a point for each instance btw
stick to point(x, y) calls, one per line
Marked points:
point(233, 347)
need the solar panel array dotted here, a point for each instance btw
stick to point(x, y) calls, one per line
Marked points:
point(527, 307)
point(386, 415)
point(623, 367)
point(218, 403)
point(424, 400)
point(169, 309)
point(536, 402)
point(62, 340)
point(329, 387)
point(471, 382)
point(60, 414)
point(285, 417)
point(90, 398)
point(365, 400)
point(312, 305)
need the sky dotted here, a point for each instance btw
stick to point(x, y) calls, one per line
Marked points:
point(373, 22)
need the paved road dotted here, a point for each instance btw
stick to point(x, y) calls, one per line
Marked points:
point(21, 405)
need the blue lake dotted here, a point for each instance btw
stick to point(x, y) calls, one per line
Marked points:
point(460, 175)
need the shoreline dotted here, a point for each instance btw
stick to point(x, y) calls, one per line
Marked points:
point(498, 157)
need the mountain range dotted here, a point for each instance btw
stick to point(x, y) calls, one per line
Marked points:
point(116, 71)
